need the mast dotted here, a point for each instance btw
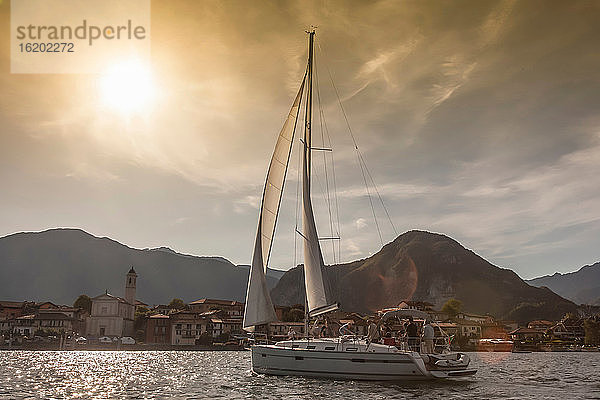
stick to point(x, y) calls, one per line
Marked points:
point(308, 115)
point(306, 154)
point(316, 296)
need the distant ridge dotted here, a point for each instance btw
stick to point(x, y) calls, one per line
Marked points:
point(581, 286)
point(430, 267)
point(60, 264)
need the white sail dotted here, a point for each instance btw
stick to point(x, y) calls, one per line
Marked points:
point(313, 259)
point(259, 307)
point(316, 297)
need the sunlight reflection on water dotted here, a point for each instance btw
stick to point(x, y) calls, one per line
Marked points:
point(190, 375)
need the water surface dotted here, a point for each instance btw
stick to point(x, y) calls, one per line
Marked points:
point(195, 375)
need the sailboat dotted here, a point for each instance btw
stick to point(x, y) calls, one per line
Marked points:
point(344, 357)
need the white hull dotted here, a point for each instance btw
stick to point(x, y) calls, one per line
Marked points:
point(375, 362)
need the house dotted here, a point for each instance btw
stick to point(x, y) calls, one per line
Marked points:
point(216, 327)
point(54, 322)
point(139, 304)
point(448, 328)
point(188, 327)
point(232, 309)
point(11, 309)
point(468, 329)
point(158, 329)
point(410, 305)
point(232, 325)
point(416, 305)
point(540, 324)
point(25, 325)
point(569, 329)
point(113, 315)
point(77, 315)
point(494, 330)
point(474, 317)
point(526, 334)
point(162, 309)
point(6, 325)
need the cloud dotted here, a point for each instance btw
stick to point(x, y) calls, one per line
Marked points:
point(477, 119)
point(360, 223)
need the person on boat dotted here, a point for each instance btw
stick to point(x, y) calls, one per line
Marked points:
point(402, 331)
point(412, 333)
point(291, 334)
point(428, 335)
point(373, 331)
point(316, 331)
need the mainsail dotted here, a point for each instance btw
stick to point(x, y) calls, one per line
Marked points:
point(259, 307)
point(316, 297)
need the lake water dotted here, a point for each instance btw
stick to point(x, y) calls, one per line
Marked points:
point(193, 375)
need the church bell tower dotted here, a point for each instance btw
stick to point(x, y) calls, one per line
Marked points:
point(130, 286)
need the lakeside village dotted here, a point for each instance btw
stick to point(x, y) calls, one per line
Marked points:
point(108, 322)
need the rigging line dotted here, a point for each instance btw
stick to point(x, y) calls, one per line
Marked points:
point(355, 142)
point(370, 199)
point(381, 200)
point(336, 202)
point(358, 154)
point(328, 196)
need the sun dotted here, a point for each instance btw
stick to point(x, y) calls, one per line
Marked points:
point(128, 87)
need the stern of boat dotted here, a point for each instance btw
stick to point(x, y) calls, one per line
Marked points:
point(449, 365)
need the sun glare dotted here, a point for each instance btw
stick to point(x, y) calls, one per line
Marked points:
point(127, 87)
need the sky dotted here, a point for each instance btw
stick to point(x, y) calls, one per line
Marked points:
point(477, 119)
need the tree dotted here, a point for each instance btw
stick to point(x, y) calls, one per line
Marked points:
point(140, 318)
point(178, 304)
point(84, 302)
point(204, 340)
point(452, 307)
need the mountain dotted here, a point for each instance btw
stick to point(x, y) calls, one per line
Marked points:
point(429, 267)
point(60, 264)
point(582, 286)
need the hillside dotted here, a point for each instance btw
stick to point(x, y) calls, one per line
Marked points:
point(429, 267)
point(582, 286)
point(60, 264)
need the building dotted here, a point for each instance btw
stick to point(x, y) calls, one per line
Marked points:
point(474, 317)
point(540, 324)
point(77, 316)
point(469, 329)
point(158, 329)
point(113, 315)
point(162, 309)
point(232, 309)
point(569, 329)
point(11, 309)
point(416, 305)
point(188, 328)
point(526, 334)
point(494, 330)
